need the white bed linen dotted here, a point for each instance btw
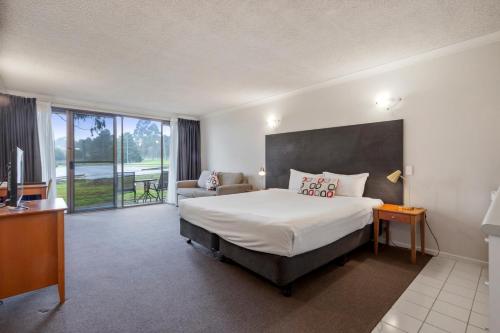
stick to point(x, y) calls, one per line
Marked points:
point(279, 221)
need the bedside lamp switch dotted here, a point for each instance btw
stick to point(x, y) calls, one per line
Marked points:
point(409, 170)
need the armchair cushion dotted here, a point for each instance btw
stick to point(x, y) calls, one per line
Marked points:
point(233, 189)
point(195, 192)
point(187, 184)
point(230, 178)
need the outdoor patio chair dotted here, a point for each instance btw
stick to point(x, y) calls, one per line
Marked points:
point(129, 184)
point(162, 184)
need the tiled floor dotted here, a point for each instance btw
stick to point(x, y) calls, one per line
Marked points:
point(447, 296)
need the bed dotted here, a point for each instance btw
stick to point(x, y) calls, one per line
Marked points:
point(279, 221)
point(282, 235)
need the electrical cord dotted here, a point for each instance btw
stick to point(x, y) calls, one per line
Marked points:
point(432, 233)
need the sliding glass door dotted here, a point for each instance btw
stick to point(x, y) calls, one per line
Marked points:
point(109, 161)
point(141, 151)
point(92, 171)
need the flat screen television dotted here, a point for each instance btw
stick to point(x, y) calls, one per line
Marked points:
point(15, 178)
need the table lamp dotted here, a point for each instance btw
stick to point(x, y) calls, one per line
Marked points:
point(262, 173)
point(393, 178)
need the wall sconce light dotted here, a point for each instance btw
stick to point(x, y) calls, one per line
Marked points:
point(386, 101)
point(262, 173)
point(273, 123)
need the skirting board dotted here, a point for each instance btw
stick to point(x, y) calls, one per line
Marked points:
point(442, 254)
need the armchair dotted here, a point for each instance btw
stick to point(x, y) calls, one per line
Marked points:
point(230, 183)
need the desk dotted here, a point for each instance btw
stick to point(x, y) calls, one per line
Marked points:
point(32, 247)
point(29, 189)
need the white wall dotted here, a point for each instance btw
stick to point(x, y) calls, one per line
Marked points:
point(451, 109)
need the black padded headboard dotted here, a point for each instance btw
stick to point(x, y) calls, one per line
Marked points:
point(376, 148)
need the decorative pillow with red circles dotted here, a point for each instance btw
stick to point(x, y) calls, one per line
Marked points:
point(319, 187)
point(212, 181)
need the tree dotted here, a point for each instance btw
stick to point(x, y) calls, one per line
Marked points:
point(148, 137)
point(99, 148)
point(99, 122)
point(131, 151)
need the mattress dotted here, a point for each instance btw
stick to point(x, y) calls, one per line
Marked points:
point(279, 221)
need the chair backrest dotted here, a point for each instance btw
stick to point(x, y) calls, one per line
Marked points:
point(128, 181)
point(164, 179)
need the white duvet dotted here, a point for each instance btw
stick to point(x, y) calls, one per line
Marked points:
point(279, 221)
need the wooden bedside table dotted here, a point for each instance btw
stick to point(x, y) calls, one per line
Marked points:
point(394, 213)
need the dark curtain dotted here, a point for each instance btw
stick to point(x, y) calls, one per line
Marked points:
point(18, 128)
point(189, 159)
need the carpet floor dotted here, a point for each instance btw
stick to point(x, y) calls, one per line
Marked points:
point(129, 270)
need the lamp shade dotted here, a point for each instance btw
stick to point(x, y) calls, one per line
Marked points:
point(262, 172)
point(394, 177)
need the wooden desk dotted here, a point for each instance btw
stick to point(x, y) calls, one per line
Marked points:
point(30, 189)
point(32, 247)
point(394, 213)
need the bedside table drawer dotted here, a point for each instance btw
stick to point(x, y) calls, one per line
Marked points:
point(394, 217)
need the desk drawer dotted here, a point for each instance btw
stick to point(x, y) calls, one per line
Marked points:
point(394, 217)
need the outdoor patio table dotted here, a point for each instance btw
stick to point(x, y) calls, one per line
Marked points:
point(147, 189)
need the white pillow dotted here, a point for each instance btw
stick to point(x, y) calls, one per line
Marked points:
point(296, 177)
point(202, 181)
point(349, 185)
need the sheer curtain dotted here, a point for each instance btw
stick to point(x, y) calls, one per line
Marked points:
point(46, 138)
point(172, 172)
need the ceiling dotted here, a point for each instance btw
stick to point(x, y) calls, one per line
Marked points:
point(194, 57)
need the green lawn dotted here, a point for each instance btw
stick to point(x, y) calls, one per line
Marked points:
point(99, 192)
point(61, 190)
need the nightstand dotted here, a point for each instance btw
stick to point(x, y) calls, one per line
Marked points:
point(395, 213)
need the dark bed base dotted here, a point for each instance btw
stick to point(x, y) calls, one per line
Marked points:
point(280, 270)
point(199, 235)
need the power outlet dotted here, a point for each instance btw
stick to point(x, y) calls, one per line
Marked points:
point(409, 170)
